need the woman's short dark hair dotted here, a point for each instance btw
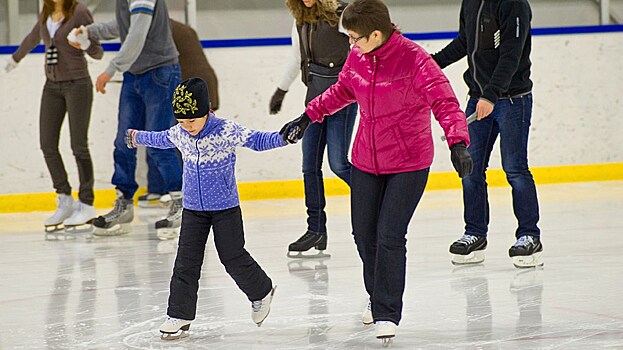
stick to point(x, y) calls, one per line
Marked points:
point(365, 16)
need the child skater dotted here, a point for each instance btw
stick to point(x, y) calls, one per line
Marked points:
point(208, 146)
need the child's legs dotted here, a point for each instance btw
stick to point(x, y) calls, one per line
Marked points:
point(229, 241)
point(187, 269)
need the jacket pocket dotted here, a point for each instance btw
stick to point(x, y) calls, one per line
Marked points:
point(488, 33)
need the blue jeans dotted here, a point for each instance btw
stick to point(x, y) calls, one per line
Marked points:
point(145, 104)
point(511, 120)
point(334, 133)
point(381, 208)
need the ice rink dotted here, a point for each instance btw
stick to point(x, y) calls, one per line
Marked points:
point(111, 293)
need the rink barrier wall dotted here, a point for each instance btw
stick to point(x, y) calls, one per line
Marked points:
point(265, 190)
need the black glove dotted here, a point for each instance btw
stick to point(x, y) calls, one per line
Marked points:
point(461, 160)
point(276, 101)
point(293, 131)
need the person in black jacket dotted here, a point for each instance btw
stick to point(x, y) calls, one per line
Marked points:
point(495, 37)
point(319, 50)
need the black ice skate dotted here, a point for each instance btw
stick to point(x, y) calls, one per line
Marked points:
point(117, 221)
point(306, 242)
point(174, 328)
point(526, 252)
point(169, 227)
point(468, 249)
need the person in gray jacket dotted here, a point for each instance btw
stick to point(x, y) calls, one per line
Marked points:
point(149, 62)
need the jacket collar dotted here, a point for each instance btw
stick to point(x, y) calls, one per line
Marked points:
point(388, 47)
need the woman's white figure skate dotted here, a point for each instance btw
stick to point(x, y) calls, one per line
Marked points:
point(261, 308)
point(386, 331)
point(64, 209)
point(174, 328)
point(81, 219)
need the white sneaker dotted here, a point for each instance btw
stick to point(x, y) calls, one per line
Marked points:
point(82, 214)
point(261, 308)
point(64, 209)
point(174, 328)
point(366, 316)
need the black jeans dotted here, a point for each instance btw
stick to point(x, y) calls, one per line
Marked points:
point(381, 208)
point(229, 241)
point(74, 98)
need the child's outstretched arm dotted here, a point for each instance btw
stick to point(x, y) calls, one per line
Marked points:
point(155, 139)
point(255, 140)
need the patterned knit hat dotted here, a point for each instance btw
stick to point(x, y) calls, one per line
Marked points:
point(191, 99)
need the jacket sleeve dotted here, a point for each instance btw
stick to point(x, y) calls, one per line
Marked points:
point(95, 49)
point(30, 42)
point(336, 97)
point(156, 139)
point(438, 94)
point(514, 30)
point(456, 49)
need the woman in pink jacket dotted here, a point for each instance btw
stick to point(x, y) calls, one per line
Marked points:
point(396, 84)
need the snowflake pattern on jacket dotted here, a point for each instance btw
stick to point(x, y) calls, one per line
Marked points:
point(209, 181)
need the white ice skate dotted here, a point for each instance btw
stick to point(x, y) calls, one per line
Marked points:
point(386, 331)
point(81, 219)
point(149, 200)
point(468, 249)
point(169, 227)
point(366, 316)
point(174, 328)
point(64, 209)
point(117, 221)
point(526, 252)
point(261, 308)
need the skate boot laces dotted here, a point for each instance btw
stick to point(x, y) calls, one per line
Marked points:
point(524, 241)
point(175, 211)
point(120, 206)
point(467, 239)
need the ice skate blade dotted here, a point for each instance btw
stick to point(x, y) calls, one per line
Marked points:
point(165, 234)
point(526, 262)
point(77, 229)
point(115, 230)
point(173, 336)
point(53, 228)
point(386, 341)
point(299, 255)
point(475, 257)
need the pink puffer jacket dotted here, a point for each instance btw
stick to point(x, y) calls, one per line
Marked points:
point(397, 86)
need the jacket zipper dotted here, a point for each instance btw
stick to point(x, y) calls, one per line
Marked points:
point(372, 117)
point(198, 175)
point(473, 55)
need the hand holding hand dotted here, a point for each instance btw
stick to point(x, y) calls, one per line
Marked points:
point(276, 101)
point(130, 138)
point(293, 131)
point(461, 160)
point(9, 64)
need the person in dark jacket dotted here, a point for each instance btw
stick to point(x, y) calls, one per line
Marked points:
point(397, 85)
point(68, 90)
point(208, 146)
point(495, 37)
point(319, 51)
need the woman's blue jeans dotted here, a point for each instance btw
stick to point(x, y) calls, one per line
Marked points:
point(334, 134)
point(511, 121)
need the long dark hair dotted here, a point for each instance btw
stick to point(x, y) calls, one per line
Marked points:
point(322, 10)
point(48, 8)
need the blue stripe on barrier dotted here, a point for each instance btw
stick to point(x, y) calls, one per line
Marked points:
point(221, 43)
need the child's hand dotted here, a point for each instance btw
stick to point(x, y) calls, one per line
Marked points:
point(130, 138)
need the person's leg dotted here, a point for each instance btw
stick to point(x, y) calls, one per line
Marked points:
point(314, 143)
point(339, 132)
point(155, 182)
point(79, 97)
point(482, 135)
point(131, 116)
point(187, 269)
point(51, 115)
point(243, 269)
point(366, 193)
point(158, 86)
point(402, 195)
point(514, 124)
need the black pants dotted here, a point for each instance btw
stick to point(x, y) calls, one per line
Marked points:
point(75, 98)
point(381, 208)
point(229, 241)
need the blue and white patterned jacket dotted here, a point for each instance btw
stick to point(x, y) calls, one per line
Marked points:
point(209, 181)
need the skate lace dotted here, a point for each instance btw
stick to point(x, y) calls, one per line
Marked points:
point(467, 239)
point(117, 210)
point(256, 305)
point(524, 241)
point(175, 211)
point(173, 320)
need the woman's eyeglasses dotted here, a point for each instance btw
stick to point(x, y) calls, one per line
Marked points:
point(355, 40)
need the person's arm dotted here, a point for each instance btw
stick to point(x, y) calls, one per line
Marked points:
point(29, 43)
point(293, 66)
point(514, 30)
point(336, 97)
point(95, 49)
point(104, 31)
point(155, 139)
point(456, 49)
point(253, 139)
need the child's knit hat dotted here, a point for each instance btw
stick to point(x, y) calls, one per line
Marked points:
point(191, 99)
